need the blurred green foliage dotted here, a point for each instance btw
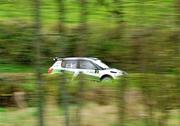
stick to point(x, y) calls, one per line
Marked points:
point(159, 12)
point(145, 45)
point(16, 46)
point(144, 33)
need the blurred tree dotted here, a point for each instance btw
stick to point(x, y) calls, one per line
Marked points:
point(62, 28)
point(118, 13)
point(177, 52)
point(16, 43)
point(140, 50)
point(82, 29)
point(81, 51)
point(37, 43)
point(63, 96)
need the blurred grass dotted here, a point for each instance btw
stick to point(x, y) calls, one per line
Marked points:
point(18, 117)
point(3, 109)
point(53, 115)
point(16, 68)
point(101, 96)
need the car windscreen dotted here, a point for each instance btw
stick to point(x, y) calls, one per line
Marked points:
point(101, 64)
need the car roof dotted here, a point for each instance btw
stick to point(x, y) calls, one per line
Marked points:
point(75, 58)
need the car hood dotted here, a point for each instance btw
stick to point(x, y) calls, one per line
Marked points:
point(117, 71)
point(114, 69)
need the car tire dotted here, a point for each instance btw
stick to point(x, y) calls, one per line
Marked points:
point(106, 79)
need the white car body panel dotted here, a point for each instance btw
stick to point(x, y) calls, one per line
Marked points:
point(104, 71)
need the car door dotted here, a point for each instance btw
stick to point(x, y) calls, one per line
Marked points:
point(88, 68)
point(70, 66)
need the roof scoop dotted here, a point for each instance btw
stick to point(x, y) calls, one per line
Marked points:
point(57, 58)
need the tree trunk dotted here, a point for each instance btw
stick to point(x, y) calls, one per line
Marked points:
point(38, 42)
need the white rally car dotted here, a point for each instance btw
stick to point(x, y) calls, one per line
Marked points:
point(88, 66)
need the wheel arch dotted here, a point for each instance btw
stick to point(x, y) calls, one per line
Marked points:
point(106, 75)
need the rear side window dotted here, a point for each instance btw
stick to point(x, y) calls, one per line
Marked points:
point(57, 64)
point(69, 64)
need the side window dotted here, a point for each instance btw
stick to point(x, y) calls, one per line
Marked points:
point(57, 64)
point(84, 64)
point(69, 64)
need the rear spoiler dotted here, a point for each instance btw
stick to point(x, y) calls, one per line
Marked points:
point(57, 59)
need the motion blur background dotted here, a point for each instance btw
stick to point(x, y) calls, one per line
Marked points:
point(141, 37)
